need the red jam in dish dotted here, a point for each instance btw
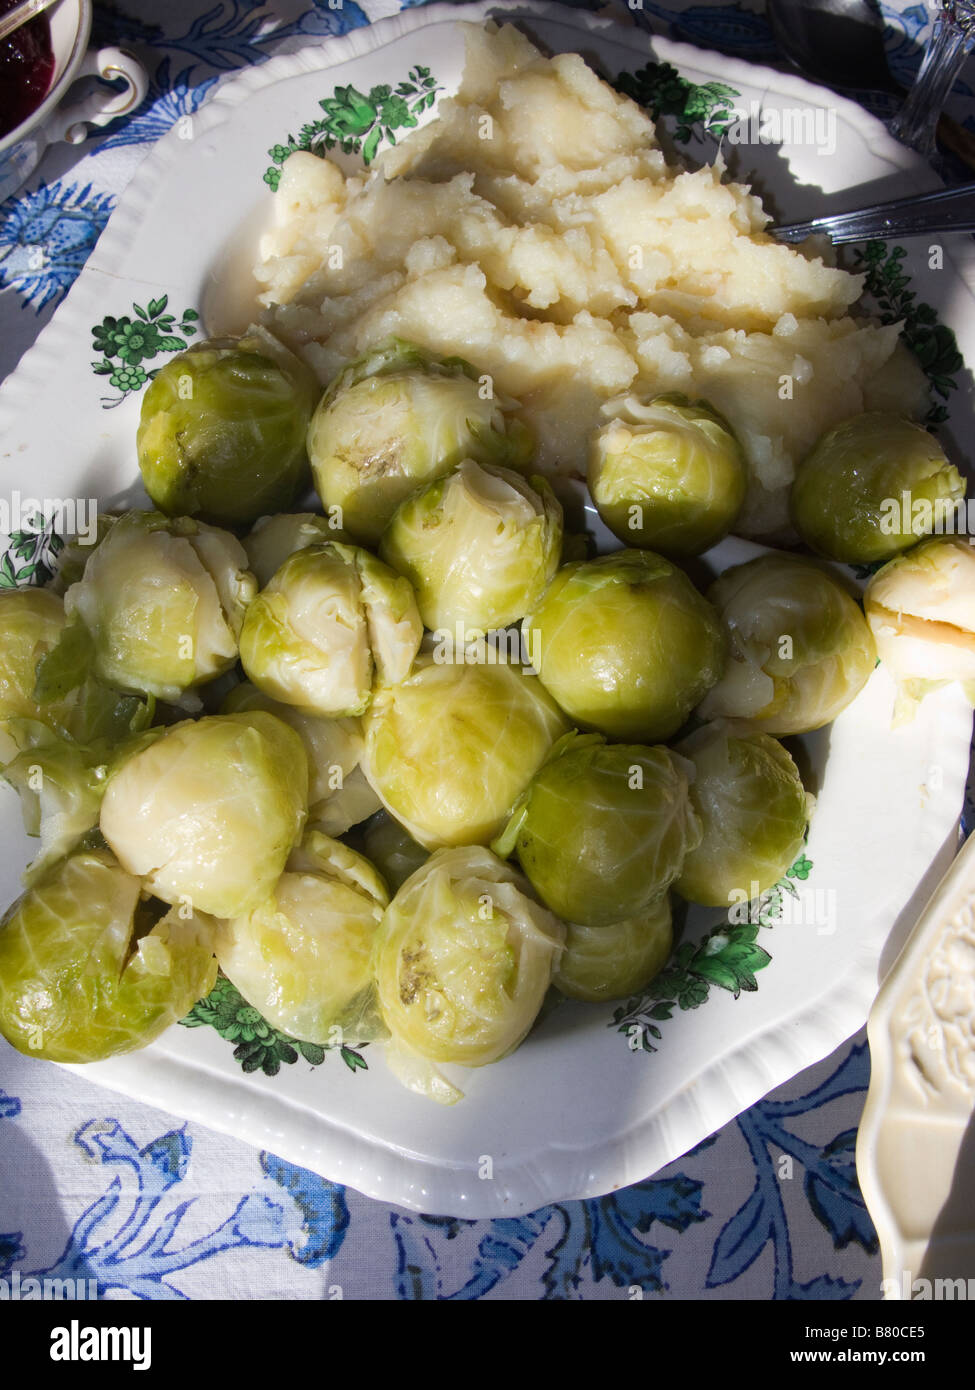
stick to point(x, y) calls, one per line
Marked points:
point(26, 69)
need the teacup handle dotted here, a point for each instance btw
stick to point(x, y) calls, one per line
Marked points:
point(71, 122)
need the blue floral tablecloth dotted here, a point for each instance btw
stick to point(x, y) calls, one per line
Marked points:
point(100, 1188)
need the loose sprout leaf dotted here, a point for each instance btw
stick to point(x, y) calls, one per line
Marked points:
point(66, 666)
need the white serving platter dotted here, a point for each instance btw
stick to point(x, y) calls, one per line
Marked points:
point(583, 1107)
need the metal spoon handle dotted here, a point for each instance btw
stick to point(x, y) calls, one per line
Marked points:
point(949, 210)
point(21, 14)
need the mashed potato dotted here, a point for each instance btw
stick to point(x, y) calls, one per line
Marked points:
point(536, 229)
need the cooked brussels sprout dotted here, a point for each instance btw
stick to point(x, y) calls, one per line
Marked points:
point(84, 974)
point(479, 547)
point(616, 961)
point(603, 829)
point(222, 430)
point(331, 622)
point(45, 681)
point(626, 644)
point(163, 601)
point(451, 748)
point(667, 474)
point(464, 958)
point(275, 538)
point(303, 956)
point(210, 811)
point(800, 647)
point(871, 487)
point(333, 746)
point(332, 619)
point(753, 810)
point(392, 849)
point(397, 417)
point(921, 611)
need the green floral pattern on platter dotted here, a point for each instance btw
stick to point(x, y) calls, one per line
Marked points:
point(703, 108)
point(31, 555)
point(728, 956)
point(127, 342)
point(258, 1045)
point(357, 122)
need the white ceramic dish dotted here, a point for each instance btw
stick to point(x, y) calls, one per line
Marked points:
point(915, 1143)
point(577, 1110)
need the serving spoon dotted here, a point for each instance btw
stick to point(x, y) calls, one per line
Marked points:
point(22, 14)
point(946, 210)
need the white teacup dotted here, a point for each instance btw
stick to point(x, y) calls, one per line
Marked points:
point(51, 121)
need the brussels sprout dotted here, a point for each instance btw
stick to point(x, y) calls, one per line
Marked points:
point(451, 748)
point(82, 979)
point(617, 961)
point(464, 958)
point(275, 538)
point(333, 746)
point(667, 474)
point(331, 621)
point(40, 691)
point(397, 417)
point(603, 829)
point(626, 644)
point(163, 602)
point(392, 849)
point(479, 547)
point(800, 647)
point(753, 810)
point(871, 486)
point(303, 956)
point(921, 611)
point(210, 811)
point(222, 430)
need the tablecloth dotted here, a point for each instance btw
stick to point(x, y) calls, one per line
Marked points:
point(136, 1203)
